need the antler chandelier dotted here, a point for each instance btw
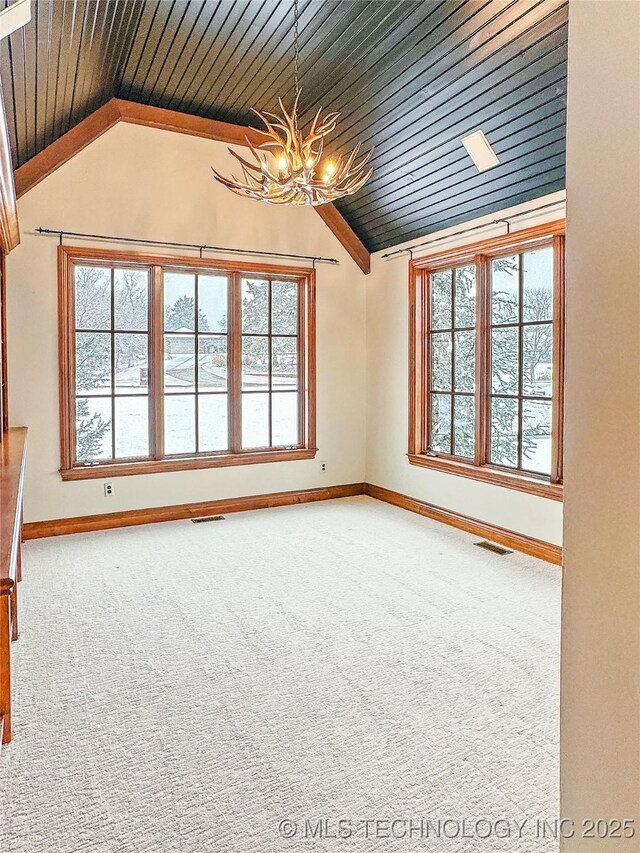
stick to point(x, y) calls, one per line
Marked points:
point(289, 167)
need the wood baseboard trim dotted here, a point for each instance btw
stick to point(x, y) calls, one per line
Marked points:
point(152, 515)
point(516, 541)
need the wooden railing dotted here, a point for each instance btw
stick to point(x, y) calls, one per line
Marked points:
point(12, 462)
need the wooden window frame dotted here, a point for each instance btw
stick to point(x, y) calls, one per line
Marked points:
point(70, 469)
point(4, 391)
point(481, 254)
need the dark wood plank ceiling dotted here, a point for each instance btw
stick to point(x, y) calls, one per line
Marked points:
point(410, 77)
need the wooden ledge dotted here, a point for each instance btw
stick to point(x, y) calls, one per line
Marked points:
point(191, 463)
point(12, 464)
point(489, 474)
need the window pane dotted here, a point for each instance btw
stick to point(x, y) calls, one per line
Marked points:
point(441, 361)
point(132, 426)
point(255, 420)
point(284, 308)
point(504, 361)
point(465, 307)
point(285, 419)
point(504, 290)
point(440, 423)
point(284, 362)
point(465, 361)
point(131, 299)
point(93, 428)
point(537, 360)
point(536, 436)
point(441, 300)
point(255, 306)
point(179, 363)
point(93, 297)
point(212, 361)
point(93, 362)
point(179, 301)
point(213, 422)
point(464, 426)
point(255, 362)
point(179, 423)
point(504, 432)
point(212, 303)
point(538, 284)
point(132, 363)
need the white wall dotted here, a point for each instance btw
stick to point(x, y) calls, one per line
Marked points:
point(600, 675)
point(388, 404)
point(157, 184)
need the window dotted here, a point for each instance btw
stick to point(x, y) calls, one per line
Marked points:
point(486, 360)
point(171, 363)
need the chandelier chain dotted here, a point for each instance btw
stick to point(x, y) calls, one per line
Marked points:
point(296, 34)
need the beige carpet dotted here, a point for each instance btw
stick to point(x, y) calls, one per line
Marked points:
point(184, 687)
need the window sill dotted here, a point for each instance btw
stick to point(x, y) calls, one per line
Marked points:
point(489, 474)
point(183, 463)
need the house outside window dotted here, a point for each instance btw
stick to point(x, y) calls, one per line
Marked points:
point(175, 363)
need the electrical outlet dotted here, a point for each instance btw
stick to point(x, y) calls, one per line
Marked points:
point(323, 467)
point(108, 490)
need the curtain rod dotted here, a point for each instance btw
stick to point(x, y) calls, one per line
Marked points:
point(201, 247)
point(505, 219)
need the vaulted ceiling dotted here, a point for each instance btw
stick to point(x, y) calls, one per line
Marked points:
point(410, 77)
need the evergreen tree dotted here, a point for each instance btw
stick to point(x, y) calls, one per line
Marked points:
point(90, 431)
point(180, 315)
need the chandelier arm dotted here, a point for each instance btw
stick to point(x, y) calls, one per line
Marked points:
point(251, 181)
point(290, 127)
point(317, 156)
point(328, 126)
point(300, 179)
point(352, 157)
point(358, 167)
point(363, 161)
point(360, 182)
point(271, 126)
point(245, 163)
point(237, 187)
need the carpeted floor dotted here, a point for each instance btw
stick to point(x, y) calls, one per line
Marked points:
point(187, 688)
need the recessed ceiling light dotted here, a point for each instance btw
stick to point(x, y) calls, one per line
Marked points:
point(480, 151)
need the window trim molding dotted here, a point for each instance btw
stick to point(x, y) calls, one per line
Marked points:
point(480, 469)
point(70, 255)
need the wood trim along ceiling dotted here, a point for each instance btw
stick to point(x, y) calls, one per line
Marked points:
point(9, 228)
point(73, 141)
point(107, 521)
